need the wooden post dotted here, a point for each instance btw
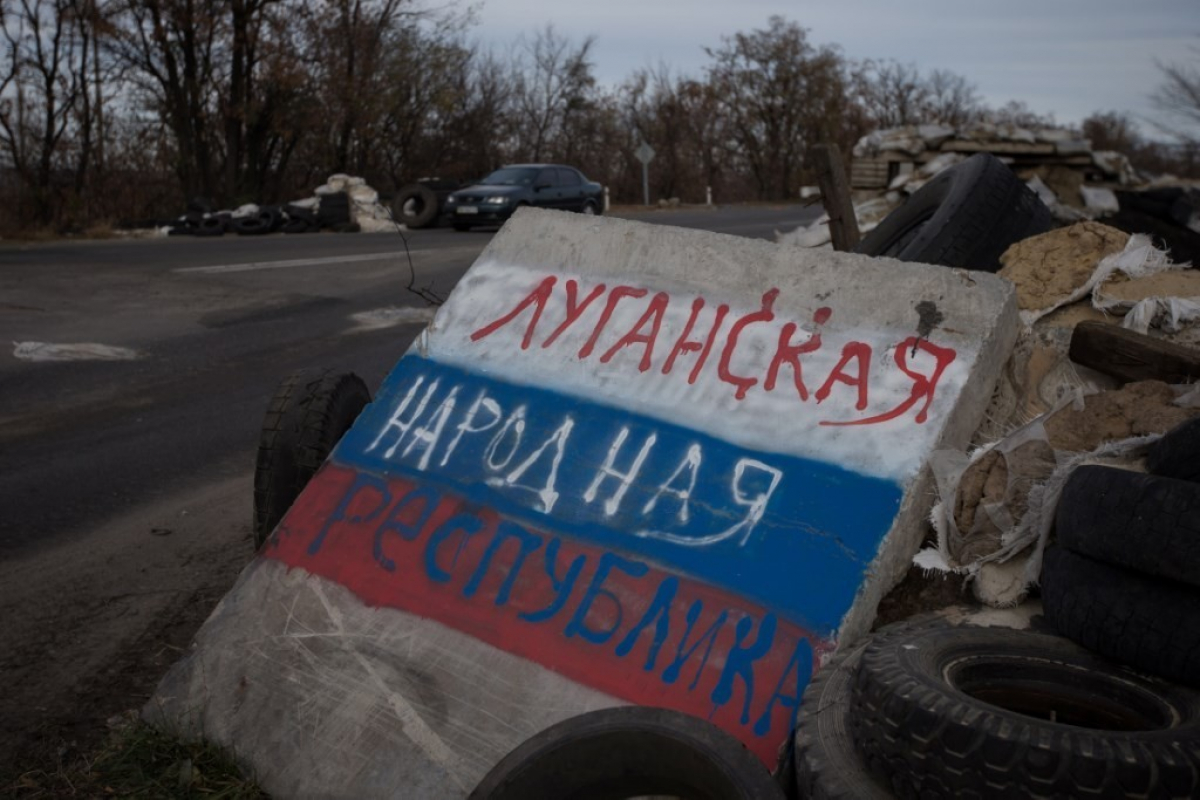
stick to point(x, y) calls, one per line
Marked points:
point(1131, 356)
point(835, 195)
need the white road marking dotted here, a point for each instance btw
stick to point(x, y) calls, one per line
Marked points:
point(80, 351)
point(314, 262)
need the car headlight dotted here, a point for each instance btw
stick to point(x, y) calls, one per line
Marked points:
point(498, 200)
point(451, 200)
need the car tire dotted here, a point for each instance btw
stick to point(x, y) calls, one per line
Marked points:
point(626, 752)
point(294, 213)
point(1140, 522)
point(415, 205)
point(959, 711)
point(250, 226)
point(590, 209)
point(828, 767)
point(965, 216)
point(1177, 453)
point(311, 410)
point(1151, 624)
point(211, 226)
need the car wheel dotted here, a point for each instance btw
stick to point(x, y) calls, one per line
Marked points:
point(589, 208)
point(946, 711)
point(311, 411)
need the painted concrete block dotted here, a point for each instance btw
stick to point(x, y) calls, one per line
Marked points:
point(625, 464)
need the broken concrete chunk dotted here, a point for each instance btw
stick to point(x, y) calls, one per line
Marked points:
point(615, 441)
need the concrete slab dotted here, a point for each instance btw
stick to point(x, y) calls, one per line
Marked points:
point(624, 464)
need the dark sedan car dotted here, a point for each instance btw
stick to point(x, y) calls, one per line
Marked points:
point(496, 197)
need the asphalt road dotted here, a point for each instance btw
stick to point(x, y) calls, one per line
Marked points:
point(218, 322)
point(126, 485)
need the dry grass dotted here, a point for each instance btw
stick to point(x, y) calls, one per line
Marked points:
point(138, 761)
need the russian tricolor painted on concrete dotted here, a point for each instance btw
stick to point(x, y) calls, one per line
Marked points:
point(611, 463)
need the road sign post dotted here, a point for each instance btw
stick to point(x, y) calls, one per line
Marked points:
point(645, 154)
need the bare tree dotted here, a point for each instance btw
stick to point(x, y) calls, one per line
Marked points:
point(552, 82)
point(778, 94)
point(951, 99)
point(1178, 99)
point(171, 48)
point(893, 94)
point(40, 87)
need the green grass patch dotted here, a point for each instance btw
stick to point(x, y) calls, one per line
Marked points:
point(137, 761)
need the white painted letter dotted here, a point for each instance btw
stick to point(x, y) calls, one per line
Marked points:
point(547, 494)
point(515, 423)
point(398, 423)
point(625, 478)
point(465, 426)
point(691, 463)
point(430, 432)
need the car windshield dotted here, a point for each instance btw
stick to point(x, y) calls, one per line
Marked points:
point(511, 176)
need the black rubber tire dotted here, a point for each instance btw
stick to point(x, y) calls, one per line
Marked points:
point(424, 209)
point(1177, 453)
point(942, 711)
point(298, 226)
point(626, 752)
point(294, 213)
point(1151, 624)
point(1132, 520)
point(212, 226)
point(965, 216)
point(271, 217)
point(595, 209)
point(828, 767)
point(311, 410)
point(333, 210)
point(249, 226)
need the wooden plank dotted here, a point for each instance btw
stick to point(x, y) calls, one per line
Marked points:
point(1014, 148)
point(835, 194)
point(1130, 356)
point(869, 173)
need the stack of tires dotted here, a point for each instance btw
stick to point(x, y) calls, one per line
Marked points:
point(1124, 579)
point(930, 709)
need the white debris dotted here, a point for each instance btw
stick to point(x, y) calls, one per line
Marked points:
point(1099, 201)
point(379, 318)
point(82, 351)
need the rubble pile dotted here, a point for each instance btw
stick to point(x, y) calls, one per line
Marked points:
point(344, 203)
point(1049, 414)
point(1074, 181)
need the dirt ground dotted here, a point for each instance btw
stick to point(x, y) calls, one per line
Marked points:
point(104, 625)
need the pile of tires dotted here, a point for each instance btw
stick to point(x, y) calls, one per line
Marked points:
point(1124, 578)
point(929, 709)
point(332, 213)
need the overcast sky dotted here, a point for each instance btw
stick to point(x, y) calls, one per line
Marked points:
point(1066, 57)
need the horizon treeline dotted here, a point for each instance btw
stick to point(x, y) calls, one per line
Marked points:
point(117, 110)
